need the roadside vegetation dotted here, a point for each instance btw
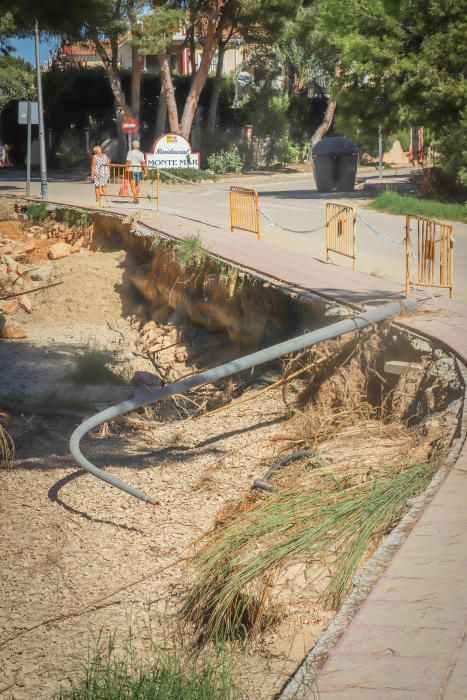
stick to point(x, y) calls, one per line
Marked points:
point(168, 676)
point(231, 597)
point(395, 203)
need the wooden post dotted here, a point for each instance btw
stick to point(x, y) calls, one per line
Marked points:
point(407, 256)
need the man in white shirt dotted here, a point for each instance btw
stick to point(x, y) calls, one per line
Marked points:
point(136, 164)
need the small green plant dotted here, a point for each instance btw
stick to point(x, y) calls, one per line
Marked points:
point(226, 161)
point(37, 212)
point(190, 250)
point(395, 203)
point(92, 367)
point(167, 676)
point(73, 217)
point(286, 152)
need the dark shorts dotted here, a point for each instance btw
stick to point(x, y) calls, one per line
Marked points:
point(136, 176)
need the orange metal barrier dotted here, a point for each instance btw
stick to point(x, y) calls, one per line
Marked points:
point(244, 211)
point(435, 253)
point(133, 182)
point(341, 231)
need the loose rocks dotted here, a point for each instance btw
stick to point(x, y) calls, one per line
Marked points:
point(11, 330)
point(59, 250)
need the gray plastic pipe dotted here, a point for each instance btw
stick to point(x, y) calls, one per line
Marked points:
point(380, 313)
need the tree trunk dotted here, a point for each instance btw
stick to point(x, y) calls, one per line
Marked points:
point(122, 109)
point(216, 88)
point(137, 62)
point(323, 128)
point(198, 82)
point(169, 92)
point(161, 119)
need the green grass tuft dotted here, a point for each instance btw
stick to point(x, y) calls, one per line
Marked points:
point(395, 203)
point(37, 212)
point(235, 571)
point(166, 677)
point(92, 368)
point(189, 250)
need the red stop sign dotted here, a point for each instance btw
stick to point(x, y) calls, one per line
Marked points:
point(130, 125)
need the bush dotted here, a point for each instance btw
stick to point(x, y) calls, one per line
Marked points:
point(36, 213)
point(226, 161)
point(191, 174)
point(286, 152)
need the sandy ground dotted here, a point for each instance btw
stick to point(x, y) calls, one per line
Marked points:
point(80, 559)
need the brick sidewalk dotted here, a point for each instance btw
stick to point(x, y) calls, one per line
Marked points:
point(408, 639)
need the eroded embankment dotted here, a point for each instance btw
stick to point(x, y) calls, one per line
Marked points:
point(368, 408)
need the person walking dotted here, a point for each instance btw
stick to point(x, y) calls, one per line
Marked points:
point(136, 162)
point(100, 172)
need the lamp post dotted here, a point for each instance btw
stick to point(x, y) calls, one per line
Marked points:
point(41, 114)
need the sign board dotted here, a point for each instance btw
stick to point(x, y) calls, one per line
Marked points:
point(130, 125)
point(172, 151)
point(23, 113)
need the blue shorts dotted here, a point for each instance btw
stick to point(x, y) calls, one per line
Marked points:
point(136, 175)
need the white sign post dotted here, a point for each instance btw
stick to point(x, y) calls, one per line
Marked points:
point(28, 113)
point(172, 151)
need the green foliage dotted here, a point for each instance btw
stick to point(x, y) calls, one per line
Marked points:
point(16, 80)
point(189, 251)
point(92, 367)
point(286, 152)
point(70, 152)
point(235, 569)
point(72, 217)
point(226, 161)
point(167, 676)
point(190, 174)
point(401, 63)
point(400, 204)
point(37, 212)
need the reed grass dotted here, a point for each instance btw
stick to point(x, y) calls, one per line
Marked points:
point(230, 597)
point(7, 446)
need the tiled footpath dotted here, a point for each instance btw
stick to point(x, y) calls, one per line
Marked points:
point(408, 640)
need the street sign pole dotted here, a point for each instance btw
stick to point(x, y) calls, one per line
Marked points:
point(28, 154)
point(41, 114)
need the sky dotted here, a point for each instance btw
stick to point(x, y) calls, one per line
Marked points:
point(25, 48)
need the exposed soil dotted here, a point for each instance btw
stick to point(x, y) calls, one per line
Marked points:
point(83, 560)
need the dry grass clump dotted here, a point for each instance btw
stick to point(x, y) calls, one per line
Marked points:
point(235, 571)
point(7, 446)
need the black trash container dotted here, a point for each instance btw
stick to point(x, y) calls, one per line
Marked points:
point(335, 164)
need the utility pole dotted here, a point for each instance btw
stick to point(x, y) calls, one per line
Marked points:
point(41, 114)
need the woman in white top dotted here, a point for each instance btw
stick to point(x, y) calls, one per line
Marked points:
point(135, 161)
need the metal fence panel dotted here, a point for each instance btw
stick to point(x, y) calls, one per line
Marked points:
point(341, 231)
point(435, 253)
point(244, 211)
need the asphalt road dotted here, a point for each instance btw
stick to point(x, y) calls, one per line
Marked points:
point(290, 201)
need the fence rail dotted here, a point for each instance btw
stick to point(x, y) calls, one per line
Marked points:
point(435, 254)
point(128, 182)
point(341, 231)
point(244, 210)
